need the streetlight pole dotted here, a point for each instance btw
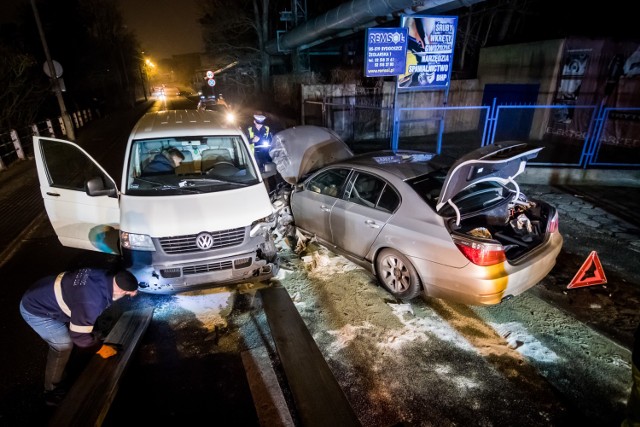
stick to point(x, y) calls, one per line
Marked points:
point(54, 78)
point(141, 64)
point(144, 88)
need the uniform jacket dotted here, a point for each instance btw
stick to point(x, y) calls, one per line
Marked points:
point(86, 293)
point(264, 133)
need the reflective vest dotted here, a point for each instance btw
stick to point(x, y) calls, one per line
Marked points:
point(263, 132)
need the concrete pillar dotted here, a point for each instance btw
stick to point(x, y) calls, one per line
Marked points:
point(16, 144)
point(50, 128)
point(62, 126)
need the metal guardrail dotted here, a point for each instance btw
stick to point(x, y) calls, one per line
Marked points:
point(17, 144)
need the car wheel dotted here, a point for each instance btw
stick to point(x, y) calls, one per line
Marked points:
point(397, 275)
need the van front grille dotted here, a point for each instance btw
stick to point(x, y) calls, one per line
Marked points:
point(187, 243)
point(205, 268)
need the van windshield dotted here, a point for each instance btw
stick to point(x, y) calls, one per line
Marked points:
point(185, 165)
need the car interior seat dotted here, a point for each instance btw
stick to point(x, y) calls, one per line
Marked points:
point(213, 156)
point(149, 151)
point(364, 190)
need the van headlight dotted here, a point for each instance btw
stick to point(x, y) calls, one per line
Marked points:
point(138, 242)
point(266, 223)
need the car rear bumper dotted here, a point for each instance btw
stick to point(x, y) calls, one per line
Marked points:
point(476, 285)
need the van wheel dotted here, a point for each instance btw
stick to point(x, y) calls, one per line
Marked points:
point(397, 275)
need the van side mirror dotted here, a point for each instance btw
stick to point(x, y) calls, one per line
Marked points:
point(95, 187)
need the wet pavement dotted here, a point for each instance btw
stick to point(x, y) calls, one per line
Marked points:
point(20, 203)
point(611, 210)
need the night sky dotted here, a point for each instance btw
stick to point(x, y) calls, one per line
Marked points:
point(169, 27)
point(164, 27)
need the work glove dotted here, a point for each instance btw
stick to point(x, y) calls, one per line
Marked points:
point(107, 351)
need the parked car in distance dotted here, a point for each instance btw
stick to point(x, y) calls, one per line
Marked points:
point(213, 104)
point(457, 230)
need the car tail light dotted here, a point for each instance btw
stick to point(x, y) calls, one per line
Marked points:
point(552, 225)
point(480, 253)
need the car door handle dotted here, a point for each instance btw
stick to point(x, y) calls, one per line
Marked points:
point(53, 194)
point(325, 208)
point(371, 223)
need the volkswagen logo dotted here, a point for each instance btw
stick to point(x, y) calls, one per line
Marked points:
point(204, 241)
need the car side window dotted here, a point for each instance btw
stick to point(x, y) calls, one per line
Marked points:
point(68, 167)
point(366, 190)
point(389, 199)
point(329, 182)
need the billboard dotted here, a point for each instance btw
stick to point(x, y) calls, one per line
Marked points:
point(430, 44)
point(386, 50)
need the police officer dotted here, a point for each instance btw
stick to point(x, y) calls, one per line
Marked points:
point(259, 138)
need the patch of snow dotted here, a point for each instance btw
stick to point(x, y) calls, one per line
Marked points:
point(210, 306)
point(519, 339)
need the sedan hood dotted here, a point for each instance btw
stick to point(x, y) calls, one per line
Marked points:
point(496, 162)
point(301, 150)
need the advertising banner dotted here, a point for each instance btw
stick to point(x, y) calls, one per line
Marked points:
point(386, 51)
point(430, 46)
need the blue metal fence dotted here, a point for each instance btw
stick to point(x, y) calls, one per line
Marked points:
point(579, 136)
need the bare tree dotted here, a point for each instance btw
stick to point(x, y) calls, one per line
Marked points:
point(21, 96)
point(115, 46)
point(237, 31)
point(261, 18)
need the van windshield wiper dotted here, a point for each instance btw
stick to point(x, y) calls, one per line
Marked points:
point(161, 186)
point(151, 181)
point(206, 181)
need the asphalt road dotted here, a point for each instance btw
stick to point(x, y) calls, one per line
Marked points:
point(189, 368)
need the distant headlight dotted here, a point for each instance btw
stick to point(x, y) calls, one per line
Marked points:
point(139, 242)
point(231, 118)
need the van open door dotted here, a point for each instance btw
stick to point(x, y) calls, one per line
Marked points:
point(80, 198)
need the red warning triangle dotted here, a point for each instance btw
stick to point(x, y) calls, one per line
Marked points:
point(591, 273)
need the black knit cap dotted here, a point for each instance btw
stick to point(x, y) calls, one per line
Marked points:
point(126, 281)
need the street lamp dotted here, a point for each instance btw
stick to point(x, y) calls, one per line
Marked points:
point(149, 71)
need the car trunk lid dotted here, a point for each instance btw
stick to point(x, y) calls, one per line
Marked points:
point(497, 162)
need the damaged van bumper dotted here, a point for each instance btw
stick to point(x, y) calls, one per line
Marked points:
point(165, 272)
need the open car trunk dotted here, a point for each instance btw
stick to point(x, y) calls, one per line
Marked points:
point(481, 199)
point(519, 225)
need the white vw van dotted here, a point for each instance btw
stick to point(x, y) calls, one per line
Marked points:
point(207, 222)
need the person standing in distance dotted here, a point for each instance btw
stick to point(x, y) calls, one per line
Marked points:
point(63, 309)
